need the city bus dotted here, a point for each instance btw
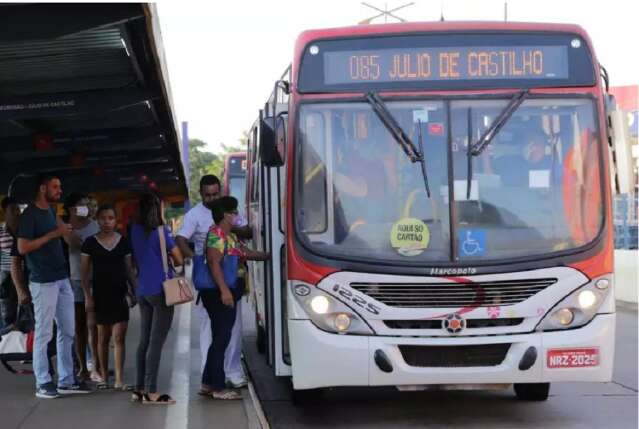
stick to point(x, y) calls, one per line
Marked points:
point(234, 178)
point(436, 198)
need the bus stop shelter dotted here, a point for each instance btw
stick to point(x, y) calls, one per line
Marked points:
point(84, 94)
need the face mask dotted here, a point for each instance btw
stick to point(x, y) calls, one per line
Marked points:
point(239, 220)
point(82, 211)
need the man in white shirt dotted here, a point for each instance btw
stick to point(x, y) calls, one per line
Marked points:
point(195, 227)
point(86, 331)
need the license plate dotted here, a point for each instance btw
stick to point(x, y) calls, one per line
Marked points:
point(572, 358)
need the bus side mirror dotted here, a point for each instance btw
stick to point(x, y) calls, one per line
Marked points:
point(269, 153)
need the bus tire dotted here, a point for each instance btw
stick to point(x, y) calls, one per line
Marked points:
point(261, 337)
point(532, 391)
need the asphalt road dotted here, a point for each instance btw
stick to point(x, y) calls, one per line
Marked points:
point(571, 405)
point(611, 405)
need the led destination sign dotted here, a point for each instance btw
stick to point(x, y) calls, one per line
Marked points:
point(445, 64)
point(446, 61)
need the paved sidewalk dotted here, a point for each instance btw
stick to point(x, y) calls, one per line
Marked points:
point(20, 409)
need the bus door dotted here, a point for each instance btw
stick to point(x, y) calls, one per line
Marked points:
point(268, 215)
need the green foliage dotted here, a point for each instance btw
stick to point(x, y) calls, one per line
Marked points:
point(240, 146)
point(205, 162)
point(202, 162)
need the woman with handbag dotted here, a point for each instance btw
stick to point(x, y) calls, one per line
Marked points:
point(108, 255)
point(223, 255)
point(151, 240)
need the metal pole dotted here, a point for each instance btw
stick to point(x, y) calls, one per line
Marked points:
point(186, 161)
point(626, 226)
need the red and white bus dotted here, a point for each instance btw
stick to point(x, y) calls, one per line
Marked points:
point(437, 201)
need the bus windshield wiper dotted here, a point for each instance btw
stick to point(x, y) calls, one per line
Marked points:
point(478, 147)
point(402, 139)
point(469, 155)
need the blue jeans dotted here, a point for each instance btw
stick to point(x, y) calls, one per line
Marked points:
point(53, 301)
point(222, 320)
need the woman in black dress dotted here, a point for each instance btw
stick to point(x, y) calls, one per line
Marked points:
point(108, 254)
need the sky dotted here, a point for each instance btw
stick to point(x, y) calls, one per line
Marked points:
point(223, 57)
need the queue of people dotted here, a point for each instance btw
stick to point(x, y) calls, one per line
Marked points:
point(89, 290)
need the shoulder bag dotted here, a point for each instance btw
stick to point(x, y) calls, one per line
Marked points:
point(176, 290)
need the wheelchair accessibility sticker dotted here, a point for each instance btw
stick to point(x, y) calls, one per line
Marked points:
point(410, 236)
point(472, 242)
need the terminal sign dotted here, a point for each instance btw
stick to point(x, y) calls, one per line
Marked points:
point(437, 64)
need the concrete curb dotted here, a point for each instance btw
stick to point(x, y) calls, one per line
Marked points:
point(257, 418)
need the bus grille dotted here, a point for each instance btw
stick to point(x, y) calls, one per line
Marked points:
point(437, 323)
point(454, 356)
point(452, 294)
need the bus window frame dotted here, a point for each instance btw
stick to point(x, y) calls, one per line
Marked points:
point(452, 262)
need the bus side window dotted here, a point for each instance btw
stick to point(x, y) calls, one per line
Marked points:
point(281, 138)
point(254, 167)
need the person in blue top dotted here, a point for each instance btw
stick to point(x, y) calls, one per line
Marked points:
point(156, 316)
point(39, 234)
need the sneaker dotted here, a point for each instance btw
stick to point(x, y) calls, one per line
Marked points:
point(47, 391)
point(74, 389)
point(237, 384)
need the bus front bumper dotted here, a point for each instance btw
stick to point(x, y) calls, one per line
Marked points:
point(322, 359)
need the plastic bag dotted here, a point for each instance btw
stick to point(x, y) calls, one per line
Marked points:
point(25, 322)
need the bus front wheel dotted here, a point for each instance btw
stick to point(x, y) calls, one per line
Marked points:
point(532, 391)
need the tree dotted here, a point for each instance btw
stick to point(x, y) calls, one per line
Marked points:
point(204, 162)
point(218, 167)
point(201, 162)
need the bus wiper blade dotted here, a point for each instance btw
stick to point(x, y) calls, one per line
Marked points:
point(469, 154)
point(393, 127)
point(407, 145)
point(422, 159)
point(488, 135)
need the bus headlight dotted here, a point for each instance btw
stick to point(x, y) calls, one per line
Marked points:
point(328, 313)
point(319, 304)
point(564, 316)
point(587, 299)
point(342, 322)
point(578, 308)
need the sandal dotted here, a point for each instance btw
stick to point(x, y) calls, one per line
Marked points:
point(205, 390)
point(226, 395)
point(96, 378)
point(103, 386)
point(137, 396)
point(161, 400)
point(123, 387)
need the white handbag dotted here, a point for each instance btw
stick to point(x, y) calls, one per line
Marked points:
point(176, 290)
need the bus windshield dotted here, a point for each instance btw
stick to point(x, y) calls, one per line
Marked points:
point(535, 190)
